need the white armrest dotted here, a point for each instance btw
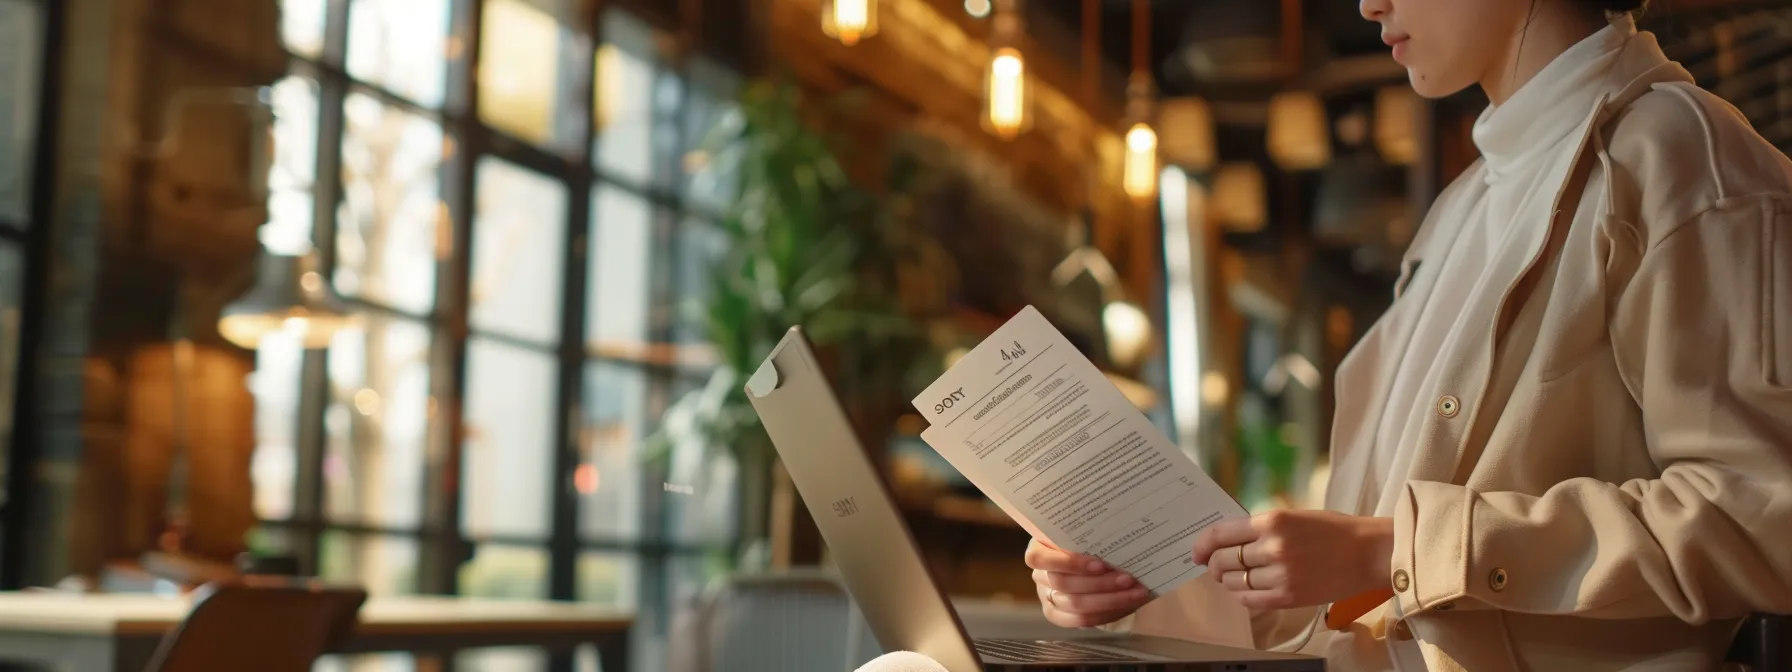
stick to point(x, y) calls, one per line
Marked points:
point(902, 661)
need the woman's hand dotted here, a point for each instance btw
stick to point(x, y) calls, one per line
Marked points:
point(1078, 591)
point(1297, 558)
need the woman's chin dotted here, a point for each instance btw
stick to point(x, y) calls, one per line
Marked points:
point(1430, 86)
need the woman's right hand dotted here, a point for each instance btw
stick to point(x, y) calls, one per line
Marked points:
point(1078, 591)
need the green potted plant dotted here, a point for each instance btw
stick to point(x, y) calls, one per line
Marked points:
point(804, 247)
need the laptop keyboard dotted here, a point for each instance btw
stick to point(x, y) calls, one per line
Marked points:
point(1032, 651)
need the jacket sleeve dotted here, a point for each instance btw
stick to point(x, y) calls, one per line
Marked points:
point(1702, 335)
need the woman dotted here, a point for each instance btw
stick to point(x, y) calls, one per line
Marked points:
point(1567, 445)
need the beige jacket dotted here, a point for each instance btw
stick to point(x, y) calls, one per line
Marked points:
point(1610, 483)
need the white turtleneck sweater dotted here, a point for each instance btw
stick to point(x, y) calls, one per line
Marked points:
point(1527, 143)
point(1526, 146)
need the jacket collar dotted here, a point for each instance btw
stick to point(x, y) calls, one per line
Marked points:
point(1639, 68)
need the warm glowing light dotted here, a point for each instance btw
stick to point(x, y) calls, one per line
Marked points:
point(1140, 178)
point(1299, 135)
point(585, 478)
point(518, 69)
point(1185, 133)
point(849, 20)
point(978, 8)
point(1240, 197)
point(1007, 112)
point(1396, 114)
point(1214, 389)
point(1128, 331)
point(367, 401)
point(609, 88)
point(956, 354)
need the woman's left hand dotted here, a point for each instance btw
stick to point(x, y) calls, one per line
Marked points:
point(1297, 558)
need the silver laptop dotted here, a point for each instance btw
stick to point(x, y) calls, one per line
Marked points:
point(883, 569)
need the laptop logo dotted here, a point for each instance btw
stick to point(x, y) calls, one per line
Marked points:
point(845, 507)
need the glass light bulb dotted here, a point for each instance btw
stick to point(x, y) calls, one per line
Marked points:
point(1140, 179)
point(849, 20)
point(1007, 92)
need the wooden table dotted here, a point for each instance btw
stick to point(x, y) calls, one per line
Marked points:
point(119, 633)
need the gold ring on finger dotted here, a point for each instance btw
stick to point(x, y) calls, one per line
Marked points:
point(1247, 579)
point(1240, 548)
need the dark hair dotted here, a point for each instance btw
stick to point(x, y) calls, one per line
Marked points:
point(1618, 6)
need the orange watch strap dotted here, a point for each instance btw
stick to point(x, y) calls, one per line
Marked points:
point(1346, 611)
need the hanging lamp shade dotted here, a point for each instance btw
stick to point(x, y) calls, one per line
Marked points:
point(1185, 133)
point(1240, 199)
point(1396, 116)
point(1299, 138)
point(849, 20)
point(290, 296)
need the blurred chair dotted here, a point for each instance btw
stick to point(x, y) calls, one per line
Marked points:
point(799, 621)
point(1763, 644)
point(269, 624)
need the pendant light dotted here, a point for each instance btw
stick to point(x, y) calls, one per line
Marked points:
point(291, 297)
point(849, 20)
point(1299, 138)
point(1140, 176)
point(1187, 139)
point(1007, 88)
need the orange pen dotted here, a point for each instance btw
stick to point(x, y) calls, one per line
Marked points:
point(1346, 611)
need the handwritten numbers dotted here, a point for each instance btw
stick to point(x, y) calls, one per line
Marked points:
point(953, 398)
point(1013, 353)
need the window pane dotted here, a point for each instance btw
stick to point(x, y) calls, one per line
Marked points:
point(701, 245)
point(619, 288)
point(608, 579)
point(384, 564)
point(701, 491)
point(502, 660)
point(12, 278)
point(710, 163)
point(608, 477)
point(302, 26)
point(633, 101)
point(507, 469)
point(519, 242)
point(21, 45)
point(376, 423)
point(290, 201)
point(522, 47)
point(401, 45)
point(386, 230)
point(371, 662)
point(690, 575)
point(279, 358)
point(504, 572)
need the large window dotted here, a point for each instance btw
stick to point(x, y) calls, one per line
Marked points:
point(518, 207)
point(22, 44)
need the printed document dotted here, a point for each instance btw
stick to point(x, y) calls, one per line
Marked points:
point(1046, 436)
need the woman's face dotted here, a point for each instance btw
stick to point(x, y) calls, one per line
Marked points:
point(1447, 45)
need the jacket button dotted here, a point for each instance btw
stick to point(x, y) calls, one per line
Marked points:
point(1497, 580)
point(1402, 631)
point(1448, 406)
point(1401, 580)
